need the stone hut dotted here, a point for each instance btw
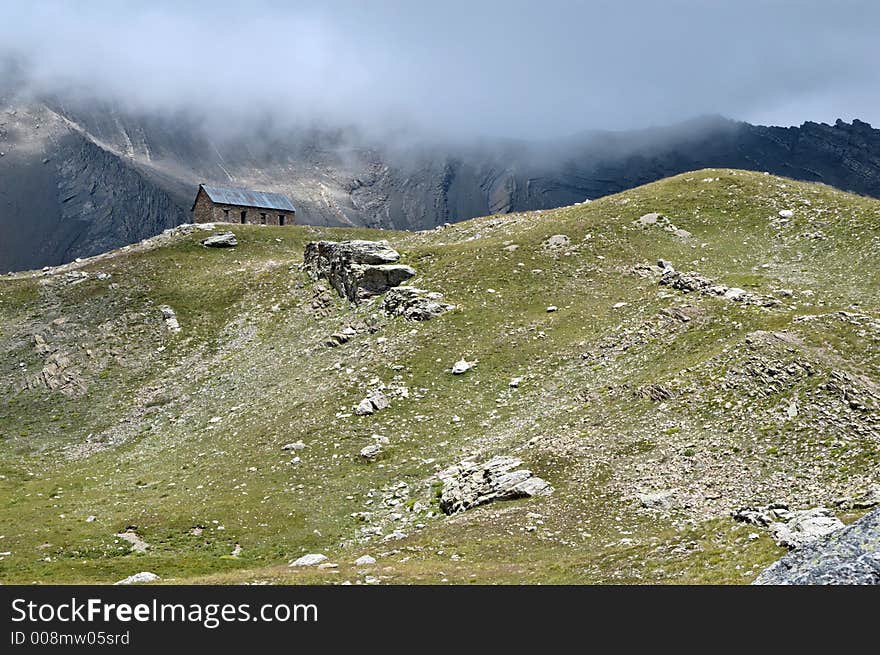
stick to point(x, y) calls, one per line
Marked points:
point(217, 204)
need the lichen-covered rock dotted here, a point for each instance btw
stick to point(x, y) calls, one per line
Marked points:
point(356, 269)
point(850, 555)
point(415, 304)
point(469, 484)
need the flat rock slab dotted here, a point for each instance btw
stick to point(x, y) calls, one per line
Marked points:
point(225, 240)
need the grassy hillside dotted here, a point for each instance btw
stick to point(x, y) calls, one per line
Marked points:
point(109, 421)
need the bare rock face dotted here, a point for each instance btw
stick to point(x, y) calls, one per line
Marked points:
point(415, 304)
point(469, 484)
point(356, 269)
point(850, 555)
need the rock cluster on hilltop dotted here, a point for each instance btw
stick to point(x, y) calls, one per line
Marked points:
point(356, 269)
point(362, 269)
point(469, 484)
point(691, 282)
point(850, 555)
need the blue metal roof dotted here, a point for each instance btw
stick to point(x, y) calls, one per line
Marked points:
point(248, 198)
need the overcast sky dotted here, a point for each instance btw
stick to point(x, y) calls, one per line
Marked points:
point(534, 69)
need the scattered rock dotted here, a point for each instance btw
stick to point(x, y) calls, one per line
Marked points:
point(469, 484)
point(138, 545)
point(356, 269)
point(785, 213)
point(170, 318)
point(364, 560)
point(224, 240)
point(414, 304)
point(364, 408)
point(515, 382)
point(655, 392)
point(552, 308)
point(140, 578)
point(657, 499)
point(869, 499)
point(648, 219)
point(850, 555)
point(312, 559)
point(374, 402)
point(296, 445)
point(557, 242)
point(692, 282)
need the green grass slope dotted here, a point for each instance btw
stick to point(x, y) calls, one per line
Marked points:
point(110, 422)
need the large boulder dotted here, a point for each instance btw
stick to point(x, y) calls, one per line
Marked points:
point(850, 555)
point(356, 269)
point(469, 484)
point(140, 578)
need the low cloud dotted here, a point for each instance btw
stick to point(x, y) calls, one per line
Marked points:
point(503, 68)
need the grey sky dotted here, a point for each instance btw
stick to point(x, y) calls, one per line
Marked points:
point(503, 68)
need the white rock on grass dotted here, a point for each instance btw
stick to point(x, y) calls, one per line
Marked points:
point(364, 560)
point(364, 408)
point(462, 366)
point(296, 445)
point(312, 559)
point(140, 578)
point(371, 452)
point(786, 213)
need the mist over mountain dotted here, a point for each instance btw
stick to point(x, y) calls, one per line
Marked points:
point(80, 178)
point(399, 115)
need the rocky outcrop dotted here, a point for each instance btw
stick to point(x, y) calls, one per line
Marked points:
point(850, 555)
point(469, 484)
point(415, 304)
point(692, 282)
point(356, 269)
point(791, 528)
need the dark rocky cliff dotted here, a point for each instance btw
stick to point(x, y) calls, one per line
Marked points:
point(113, 178)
